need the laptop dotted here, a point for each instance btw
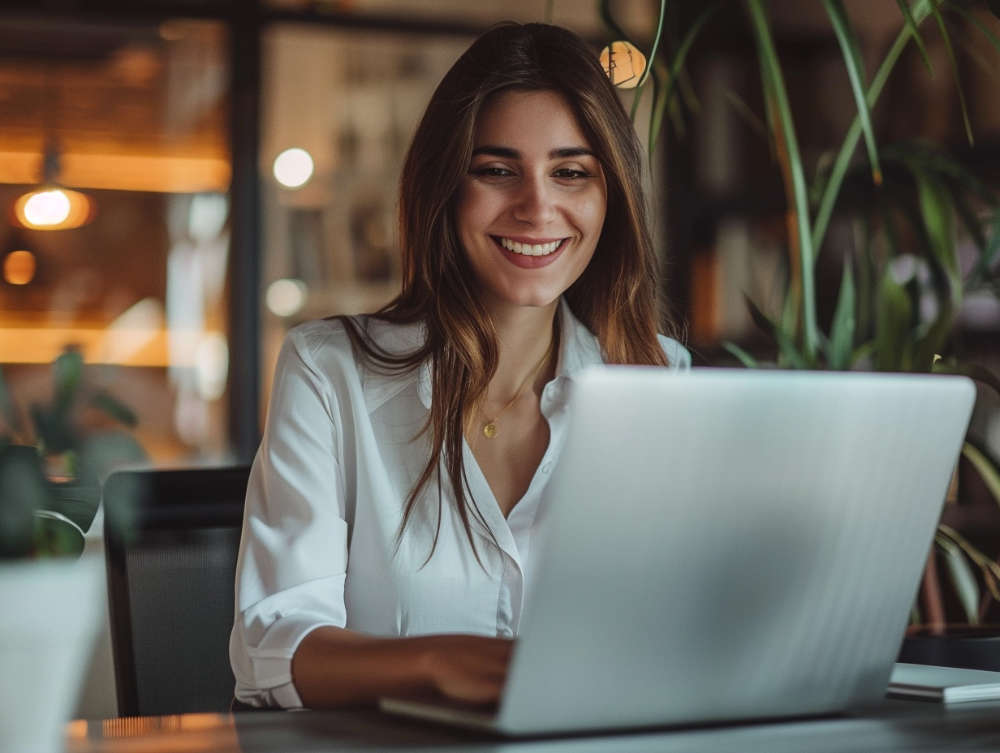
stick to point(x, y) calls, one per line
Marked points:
point(726, 545)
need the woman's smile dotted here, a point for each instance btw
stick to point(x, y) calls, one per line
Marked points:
point(530, 247)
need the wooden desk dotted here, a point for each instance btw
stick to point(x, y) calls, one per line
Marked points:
point(893, 726)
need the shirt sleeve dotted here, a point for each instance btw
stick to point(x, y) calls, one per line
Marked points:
point(677, 355)
point(293, 553)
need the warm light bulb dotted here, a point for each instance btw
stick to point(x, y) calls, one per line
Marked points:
point(293, 167)
point(53, 209)
point(47, 208)
point(19, 267)
point(286, 297)
point(624, 64)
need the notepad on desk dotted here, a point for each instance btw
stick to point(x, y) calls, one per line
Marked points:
point(945, 684)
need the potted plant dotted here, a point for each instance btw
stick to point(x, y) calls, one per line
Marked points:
point(902, 285)
point(50, 472)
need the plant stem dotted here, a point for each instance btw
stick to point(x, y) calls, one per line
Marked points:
point(656, 44)
point(832, 190)
point(800, 199)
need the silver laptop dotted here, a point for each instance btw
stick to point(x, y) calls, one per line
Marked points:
point(727, 545)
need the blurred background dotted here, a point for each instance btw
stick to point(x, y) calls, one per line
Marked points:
point(182, 181)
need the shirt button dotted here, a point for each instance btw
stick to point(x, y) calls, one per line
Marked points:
point(546, 467)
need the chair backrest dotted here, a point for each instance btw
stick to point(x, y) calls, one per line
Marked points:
point(172, 537)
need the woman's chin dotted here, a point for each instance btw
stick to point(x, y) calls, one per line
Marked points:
point(523, 300)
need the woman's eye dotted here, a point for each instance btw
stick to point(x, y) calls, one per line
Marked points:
point(571, 173)
point(491, 171)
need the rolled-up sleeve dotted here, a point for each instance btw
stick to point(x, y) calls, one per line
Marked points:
point(293, 554)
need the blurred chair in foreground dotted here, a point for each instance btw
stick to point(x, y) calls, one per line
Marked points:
point(172, 537)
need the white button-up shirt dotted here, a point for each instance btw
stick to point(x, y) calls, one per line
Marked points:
point(341, 451)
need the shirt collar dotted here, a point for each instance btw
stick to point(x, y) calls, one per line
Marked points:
point(578, 348)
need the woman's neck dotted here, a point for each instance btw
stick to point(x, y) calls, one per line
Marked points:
point(524, 338)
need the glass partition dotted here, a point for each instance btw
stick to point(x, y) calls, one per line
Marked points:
point(114, 183)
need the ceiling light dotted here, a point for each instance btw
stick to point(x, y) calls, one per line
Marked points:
point(624, 64)
point(52, 207)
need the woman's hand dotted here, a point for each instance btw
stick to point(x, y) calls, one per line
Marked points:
point(336, 667)
point(467, 667)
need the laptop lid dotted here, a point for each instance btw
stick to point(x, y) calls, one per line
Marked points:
point(731, 544)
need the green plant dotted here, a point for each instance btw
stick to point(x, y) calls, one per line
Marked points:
point(902, 284)
point(51, 466)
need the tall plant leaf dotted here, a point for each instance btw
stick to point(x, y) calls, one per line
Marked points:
point(946, 36)
point(892, 324)
point(748, 116)
point(867, 274)
point(7, 408)
point(990, 570)
point(67, 371)
point(911, 24)
point(116, 409)
point(741, 355)
point(930, 343)
point(970, 220)
point(971, 370)
point(920, 11)
point(799, 199)
point(981, 270)
point(962, 578)
point(604, 10)
point(656, 42)
point(676, 69)
point(916, 155)
point(842, 329)
point(971, 18)
point(855, 74)
point(985, 467)
point(937, 211)
point(788, 354)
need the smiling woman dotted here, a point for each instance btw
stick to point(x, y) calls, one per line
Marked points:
point(390, 514)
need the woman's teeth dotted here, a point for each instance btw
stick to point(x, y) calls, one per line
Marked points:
point(530, 249)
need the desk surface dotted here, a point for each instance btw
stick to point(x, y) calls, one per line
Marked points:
point(894, 726)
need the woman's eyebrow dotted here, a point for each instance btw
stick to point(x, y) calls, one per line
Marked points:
point(506, 152)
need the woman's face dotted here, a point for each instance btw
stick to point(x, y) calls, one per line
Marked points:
point(531, 208)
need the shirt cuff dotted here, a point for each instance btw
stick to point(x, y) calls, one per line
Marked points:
point(271, 661)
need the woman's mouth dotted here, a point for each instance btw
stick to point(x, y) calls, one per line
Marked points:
point(539, 248)
point(530, 253)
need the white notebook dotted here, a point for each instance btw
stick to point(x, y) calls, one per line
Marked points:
point(946, 684)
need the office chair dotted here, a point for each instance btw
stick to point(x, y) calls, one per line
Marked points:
point(172, 537)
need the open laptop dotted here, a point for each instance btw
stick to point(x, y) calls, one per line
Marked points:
point(727, 545)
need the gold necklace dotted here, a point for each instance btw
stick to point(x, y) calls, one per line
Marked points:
point(490, 427)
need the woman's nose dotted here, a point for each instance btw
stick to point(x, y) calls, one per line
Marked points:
point(534, 202)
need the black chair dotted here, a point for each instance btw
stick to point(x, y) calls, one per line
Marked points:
point(172, 537)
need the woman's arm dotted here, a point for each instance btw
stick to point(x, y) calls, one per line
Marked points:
point(335, 667)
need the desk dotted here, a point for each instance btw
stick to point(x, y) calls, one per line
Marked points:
point(893, 726)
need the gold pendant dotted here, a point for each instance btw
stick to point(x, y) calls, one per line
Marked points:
point(489, 430)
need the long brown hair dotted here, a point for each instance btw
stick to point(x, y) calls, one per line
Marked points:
point(616, 296)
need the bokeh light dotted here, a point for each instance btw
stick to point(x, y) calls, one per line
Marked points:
point(286, 297)
point(293, 167)
point(19, 267)
point(212, 365)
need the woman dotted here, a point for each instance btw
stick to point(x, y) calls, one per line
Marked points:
point(387, 541)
